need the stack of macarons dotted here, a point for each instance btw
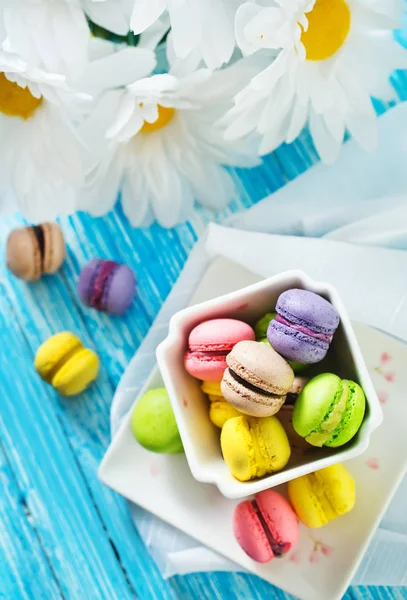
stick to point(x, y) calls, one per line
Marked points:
point(261, 392)
point(266, 527)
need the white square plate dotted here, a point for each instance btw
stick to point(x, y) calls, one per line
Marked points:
point(325, 560)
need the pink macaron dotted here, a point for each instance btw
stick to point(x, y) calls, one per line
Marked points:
point(210, 342)
point(266, 527)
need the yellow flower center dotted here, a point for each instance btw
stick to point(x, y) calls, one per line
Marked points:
point(328, 27)
point(16, 101)
point(165, 115)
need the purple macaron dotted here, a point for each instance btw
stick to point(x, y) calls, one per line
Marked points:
point(304, 326)
point(107, 286)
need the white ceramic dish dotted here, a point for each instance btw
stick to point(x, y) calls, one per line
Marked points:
point(322, 565)
point(201, 438)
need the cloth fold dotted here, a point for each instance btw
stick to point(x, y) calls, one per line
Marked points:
point(359, 211)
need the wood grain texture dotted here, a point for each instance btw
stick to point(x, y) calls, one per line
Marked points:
point(63, 534)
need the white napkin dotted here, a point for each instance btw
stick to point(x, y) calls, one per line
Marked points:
point(339, 203)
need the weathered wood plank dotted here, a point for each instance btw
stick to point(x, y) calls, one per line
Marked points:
point(24, 570)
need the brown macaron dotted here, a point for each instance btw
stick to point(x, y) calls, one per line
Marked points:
point(32, 251)
point(257, 379)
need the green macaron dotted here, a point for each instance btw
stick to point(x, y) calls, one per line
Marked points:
point(260, 329)
point(154, 425)
point(329, 411)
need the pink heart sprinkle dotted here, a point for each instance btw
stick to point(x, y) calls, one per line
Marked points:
point(326, 550)
point(154, 470)
point(383, 397)
point(295, 557)
point(314, 557)
point(385, 357)
point(390, 377)
point(373, 463)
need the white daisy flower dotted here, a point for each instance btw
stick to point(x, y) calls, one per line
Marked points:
point(41, 158)
point(349, 55)
point(50, 34)
point(203, 26)
point(163, 148)
point(113, 15)
point(272, 27)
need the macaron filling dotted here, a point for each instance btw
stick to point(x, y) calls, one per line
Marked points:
point(38, 231)
point(100, 283)
point(325, 337)
point(320, 436)
point(250, 386)
point(277, 548)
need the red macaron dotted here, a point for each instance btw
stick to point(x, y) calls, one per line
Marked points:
point(210, 342)
point(266, 527)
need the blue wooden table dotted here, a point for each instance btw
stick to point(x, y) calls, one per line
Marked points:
point(62, 533)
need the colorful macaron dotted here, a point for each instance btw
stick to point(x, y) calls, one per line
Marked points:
point(66, 364)
point(266, 527)
point(33, 251)
point(257, 379)
point(304, 326)
point(107, 286)
point(154, 425)
point(219, 410)
point(210, 342)
point(321, 497)
point(329, 411)
point(254, 447)
point(260, 329)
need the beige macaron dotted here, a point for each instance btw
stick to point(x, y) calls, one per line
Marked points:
point(257, 379)
point(32, 251)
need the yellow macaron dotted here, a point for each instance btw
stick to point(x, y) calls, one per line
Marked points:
point(253, 447)
point(66, 364)
point(219, 410)
point(322, 496)
point(212, 390)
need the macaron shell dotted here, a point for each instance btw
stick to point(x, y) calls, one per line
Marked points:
point(260, 329)
point(220, 412)
point(120, 292)
point(322, 496)
point(53, 351)
point(271, 446)
point(315, 401)
point(85, 280)
point(305, 503)
point(296, 366)
point(261, 366)
point(77, 373)
point(237, 448)
point(153, 423)
point(308, 309)
point(295, 345)
point(23, 254)
point(206, 368)
point(339, 487)
point(54, 248)
point(211, 388)
point(279, 517)
point(250, 533)
point(219, 334)
point(248, 401)
point(352, 418)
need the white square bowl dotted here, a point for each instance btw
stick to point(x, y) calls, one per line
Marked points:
point(201, 438)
